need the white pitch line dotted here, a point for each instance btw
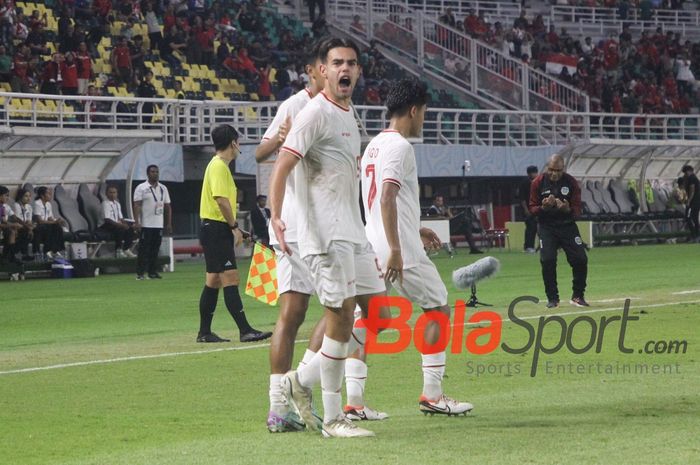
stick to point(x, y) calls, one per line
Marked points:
point(694, 291)
point(607, 301)
point(257, 346)
point(134, 357)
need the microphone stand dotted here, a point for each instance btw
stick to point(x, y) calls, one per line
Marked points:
point(474, 301)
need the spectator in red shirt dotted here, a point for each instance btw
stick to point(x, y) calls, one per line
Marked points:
point(264, 87)
point(84, 62)
point(121, 62)
point(51, 78)
point(20, 68)
point(69, 73)
point(102, 9)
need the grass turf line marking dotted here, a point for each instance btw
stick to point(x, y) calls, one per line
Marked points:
point(694, 291)
point(258, 346)
point(607, 301)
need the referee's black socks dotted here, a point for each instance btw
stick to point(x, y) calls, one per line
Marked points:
point(235, 308)
point(207, 305)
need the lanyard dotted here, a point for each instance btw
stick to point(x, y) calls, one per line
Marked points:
point(154, 194)
point(114, 210)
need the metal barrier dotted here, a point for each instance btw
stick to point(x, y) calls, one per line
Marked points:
point(190, 122)
point(486, 73)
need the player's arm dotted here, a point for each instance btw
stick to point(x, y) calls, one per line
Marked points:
point(269, 146)
point(691, 193)
point(286, 161)
point(137, 213)
point(390, 220)
point(535, 204)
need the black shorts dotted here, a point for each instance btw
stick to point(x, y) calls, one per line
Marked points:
point(216, 238)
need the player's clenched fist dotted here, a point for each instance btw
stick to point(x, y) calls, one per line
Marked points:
point(284, 130)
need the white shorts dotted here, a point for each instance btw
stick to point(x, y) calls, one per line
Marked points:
point(292, 272)
point(422, 285)
point(345, 271)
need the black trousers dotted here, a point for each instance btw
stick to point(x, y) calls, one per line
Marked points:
point(312, 8)
point(123, 238)
point(51, 235)
point(149, 244)
point(693, 225)
point(567, 237)
point(530, 231)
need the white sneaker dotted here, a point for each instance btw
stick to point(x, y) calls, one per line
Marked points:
point(129, 253)
point(444, 406)
point(120, 253)
point(364, 413)
point(50, 255)
point(341, 427)
point(301, 398)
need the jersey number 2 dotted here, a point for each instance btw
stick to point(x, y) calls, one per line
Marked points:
point(369, 171)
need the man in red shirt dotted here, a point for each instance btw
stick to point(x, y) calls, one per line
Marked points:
point(121, 62)
point(84, 62)
point(20, 67)
point(69, 73)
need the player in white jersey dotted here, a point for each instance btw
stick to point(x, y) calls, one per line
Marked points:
point(294, 277)
point(390, 194)
point(325, 142)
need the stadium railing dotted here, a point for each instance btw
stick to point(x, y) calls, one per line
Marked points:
point(190, 121)
point(601, 21)
point(490, 75)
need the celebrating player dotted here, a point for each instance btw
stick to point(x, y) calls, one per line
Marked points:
point(325, 142)
point(390, 194)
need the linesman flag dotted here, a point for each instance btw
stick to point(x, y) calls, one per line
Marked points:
point(262, 275)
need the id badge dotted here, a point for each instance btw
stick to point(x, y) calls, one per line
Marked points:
point(159, 208)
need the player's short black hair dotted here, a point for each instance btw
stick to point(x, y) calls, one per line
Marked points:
point(4, 190)
point(336, 42)
point(20, 193)
point(532, 169)
point(687, 168)
point(261, 196)
point(313, 54)
point(405, 94)
point(40, 191)
point(223, 135)
point(148, 168)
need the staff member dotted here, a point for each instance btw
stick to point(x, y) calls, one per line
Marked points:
point(555, 199)
point(151, 211)
point(218, 234)
point(692, 188)
point(116, 226)
point(530, 219)
point(260, 217)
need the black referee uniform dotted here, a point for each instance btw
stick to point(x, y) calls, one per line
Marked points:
point(557, 229)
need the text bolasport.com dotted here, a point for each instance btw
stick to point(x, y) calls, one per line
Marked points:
point(455, 338)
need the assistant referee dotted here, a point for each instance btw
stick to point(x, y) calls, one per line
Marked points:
point(555, 199)
point(218, 233)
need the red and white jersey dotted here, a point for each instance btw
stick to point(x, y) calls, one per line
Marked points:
point(290, 107)
point(326, 139)
point(389, 158)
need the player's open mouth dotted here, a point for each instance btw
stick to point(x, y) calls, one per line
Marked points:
point(345, 82)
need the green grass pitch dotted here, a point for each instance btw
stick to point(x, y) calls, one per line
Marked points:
point(164, 400)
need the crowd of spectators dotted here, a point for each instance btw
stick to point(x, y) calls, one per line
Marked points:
point(239, 40)
point(652, 73)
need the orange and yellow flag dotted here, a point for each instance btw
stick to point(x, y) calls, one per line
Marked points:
point(262, 276)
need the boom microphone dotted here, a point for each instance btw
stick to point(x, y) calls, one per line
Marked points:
point(471, 274)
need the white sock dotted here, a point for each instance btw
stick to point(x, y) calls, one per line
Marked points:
point(433, 371)
point(310, 372)
point(355, 377)
point(333, 355)
point(277, 401)
point(308, 355)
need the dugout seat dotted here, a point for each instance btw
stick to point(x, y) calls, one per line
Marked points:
point(91, 209)
point(70, 210)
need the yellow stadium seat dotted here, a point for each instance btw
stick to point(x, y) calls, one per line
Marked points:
point(6, 86)
point(250, 114)
point(254, 97)
point(273, 75)
point(210, 95)
point(111, 90)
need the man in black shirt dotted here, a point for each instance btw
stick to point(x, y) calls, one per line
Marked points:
point(692, 187)
point(555, 199)
point(530, 219)
point(260, 217)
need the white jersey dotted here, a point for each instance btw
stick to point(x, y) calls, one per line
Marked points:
point(389, 158)
point(24, 212)
point(153, 201)
point(326, 139)
point(290, 107)
point(43, 210)
point(112, 210)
